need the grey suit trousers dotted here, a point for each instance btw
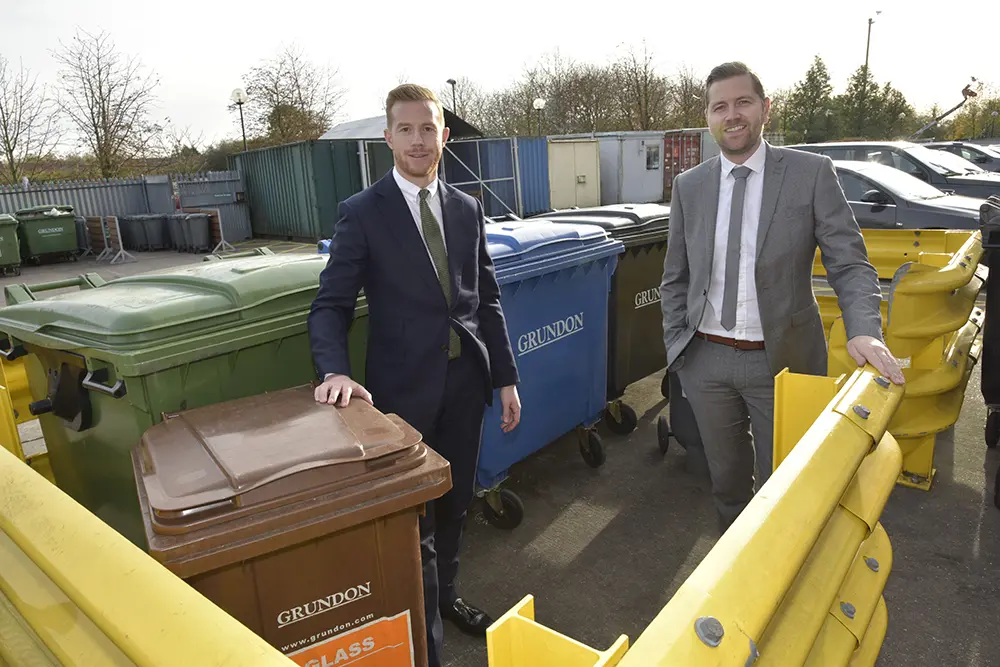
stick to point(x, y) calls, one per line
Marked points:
point(731, 393)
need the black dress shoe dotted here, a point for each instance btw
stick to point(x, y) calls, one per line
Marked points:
point(469, 620)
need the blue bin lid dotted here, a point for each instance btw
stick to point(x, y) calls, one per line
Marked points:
point(532, 239)
point(523, 248)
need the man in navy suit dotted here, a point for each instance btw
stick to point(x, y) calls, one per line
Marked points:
point(438, 343)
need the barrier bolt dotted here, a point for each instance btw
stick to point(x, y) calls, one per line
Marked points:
point(709, 630)
point(872, 564)
point(862, 411)
point(848, 609)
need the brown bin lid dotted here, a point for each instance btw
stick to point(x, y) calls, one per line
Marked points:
point(216, 463)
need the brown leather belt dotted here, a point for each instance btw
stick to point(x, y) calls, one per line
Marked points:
point(732, 342)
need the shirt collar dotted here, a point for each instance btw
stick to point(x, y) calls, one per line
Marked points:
point(410, 189)
point(755, 162)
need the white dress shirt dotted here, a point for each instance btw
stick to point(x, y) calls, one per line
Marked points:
point(748, 326)
point(411, 193)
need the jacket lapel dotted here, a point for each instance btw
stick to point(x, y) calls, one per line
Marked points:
point(400, 221)
point(774, 173)
point(710, 192)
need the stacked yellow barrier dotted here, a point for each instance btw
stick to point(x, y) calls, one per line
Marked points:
point(798, 578)
point(931, 323)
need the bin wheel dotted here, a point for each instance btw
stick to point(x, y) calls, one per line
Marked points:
point(592, 449)
point(663, 433)
point(992, 429)
point(665, 385)
point(17, 270)
point(629, 419)
point(513, 510)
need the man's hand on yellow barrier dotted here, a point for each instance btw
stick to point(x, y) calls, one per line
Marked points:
point(869, 350)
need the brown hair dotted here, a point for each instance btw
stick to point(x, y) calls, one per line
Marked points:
point(728, 71)
point(410, 92)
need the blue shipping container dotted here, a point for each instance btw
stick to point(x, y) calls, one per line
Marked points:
point(533, 168)
point(554, 283)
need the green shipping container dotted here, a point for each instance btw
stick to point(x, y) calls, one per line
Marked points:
point(47, 230)
point(116, 356)
point(296, 189)
point(10, 249)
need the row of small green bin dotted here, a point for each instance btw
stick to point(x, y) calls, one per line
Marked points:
point(33, 233)
point(108, 361)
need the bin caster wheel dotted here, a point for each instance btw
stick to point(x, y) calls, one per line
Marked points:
point(592, 449)
point(628, 418)
point(992, 429)
point(511, 513)
point(665, 386)
point(663, 433)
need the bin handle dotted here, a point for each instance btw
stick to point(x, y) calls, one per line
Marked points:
point(23, 293)
point(95, 381)
point(256, 252)
point(15, 351)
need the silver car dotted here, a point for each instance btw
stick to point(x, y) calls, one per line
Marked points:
point(884, 197)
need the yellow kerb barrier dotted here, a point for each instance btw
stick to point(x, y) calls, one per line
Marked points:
point(799, 576)
point(75, 593)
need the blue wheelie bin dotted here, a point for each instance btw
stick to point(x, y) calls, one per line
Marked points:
point(554, 282)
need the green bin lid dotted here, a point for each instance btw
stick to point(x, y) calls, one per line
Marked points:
point(7, 219)
point(172, 314)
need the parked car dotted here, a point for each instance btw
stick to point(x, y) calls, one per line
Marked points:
point(986, 157)
point(941, 169)
point(884, 197)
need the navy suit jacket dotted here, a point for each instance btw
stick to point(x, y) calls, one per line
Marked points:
point(376, 245)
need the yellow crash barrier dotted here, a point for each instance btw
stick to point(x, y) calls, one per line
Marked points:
point(75, 593)
point(888, 249)
point(15, 396)
point(932, 325)
point(806, 552)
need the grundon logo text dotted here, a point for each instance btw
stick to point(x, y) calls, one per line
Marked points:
point(550, 333)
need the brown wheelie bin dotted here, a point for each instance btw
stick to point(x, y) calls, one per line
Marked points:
point(298, 519)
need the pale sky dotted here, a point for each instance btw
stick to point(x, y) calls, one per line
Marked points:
point(200, 48)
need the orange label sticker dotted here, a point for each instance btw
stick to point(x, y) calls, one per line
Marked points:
point(386, 642)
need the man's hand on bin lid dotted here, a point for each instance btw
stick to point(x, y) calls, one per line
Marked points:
point(341, 387)
point(511, 408)
point(866, 349)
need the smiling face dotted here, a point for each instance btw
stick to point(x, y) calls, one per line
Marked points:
point(416, 136)
point(736, 115)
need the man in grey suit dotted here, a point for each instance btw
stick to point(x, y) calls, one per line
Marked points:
point(737, 297)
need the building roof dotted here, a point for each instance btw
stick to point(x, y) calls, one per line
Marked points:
point(371, 128)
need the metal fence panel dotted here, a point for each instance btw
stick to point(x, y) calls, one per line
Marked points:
point(116, 196)
point(222, 190)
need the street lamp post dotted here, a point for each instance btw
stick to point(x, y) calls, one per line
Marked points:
point(539, 104)
point(454, 107)
point(869, 42)
point(239, 97)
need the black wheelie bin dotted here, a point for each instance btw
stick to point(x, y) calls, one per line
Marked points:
point(635, 321)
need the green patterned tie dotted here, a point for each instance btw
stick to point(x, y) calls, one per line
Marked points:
point(435, 245)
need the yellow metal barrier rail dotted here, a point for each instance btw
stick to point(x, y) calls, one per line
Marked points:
point(888, 249)
point(75, 593)
point(15, 396)
point(798, 578)
point(932, 324)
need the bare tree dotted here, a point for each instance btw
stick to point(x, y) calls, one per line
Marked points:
point(29, 124)
point(642, 91)
point(685, 103)
point(290, 98)
point(109, 99)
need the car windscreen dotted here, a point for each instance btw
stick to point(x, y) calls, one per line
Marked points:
point(900, 183)
point(943, 162)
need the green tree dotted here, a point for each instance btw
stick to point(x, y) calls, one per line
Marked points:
point(895, 117)
point(808, 104)
point(859, 107)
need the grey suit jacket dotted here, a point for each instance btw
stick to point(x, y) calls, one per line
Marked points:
point(803, 207)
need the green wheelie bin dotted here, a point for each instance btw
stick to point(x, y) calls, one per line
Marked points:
point(10, 248)
point(635, 321)
point(48, 230)
point(106, 361)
